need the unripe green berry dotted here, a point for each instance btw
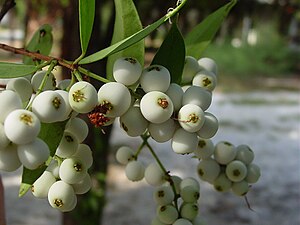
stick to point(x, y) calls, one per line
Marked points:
point(167, 214)
point(205, 149)
point(236, 171)
point(124, 155)
point(134, 171)
point(222, 183)
point(163, 195)
point(224, 152)
point(240, 188)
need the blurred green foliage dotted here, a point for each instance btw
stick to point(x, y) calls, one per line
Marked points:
point(270, 56)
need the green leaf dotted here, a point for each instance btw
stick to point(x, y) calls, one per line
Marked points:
point(86, 21)
point(200, 37)
point(41, 42)
point(51, 133)
point(11, 70)
point(171, 54)
point(119, 46)
point(127, 22)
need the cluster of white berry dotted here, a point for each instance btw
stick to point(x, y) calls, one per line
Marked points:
point(176, 198)
point(168, 112)
point(227, 167)
point(66, 174)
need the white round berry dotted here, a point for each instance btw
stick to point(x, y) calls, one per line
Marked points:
point(127, 70)
point(53, 168)
point(65, 96)
point(190, 193)
point(208, 64)
point(184, 142)
point(61, 196)
point(245, 154)
point(253, 173)
point(134, 171)
point(156, 107)
point(191, 117)
point(49, 106)
point(155, 78)
point(156, 221)
point(78, 127)
point(163, 195)
point(72, 170)
point(167, 214)
point(38, 78)
point(189, 181)
point(154, 175)
point(83, 186)
point(191, 67)
point(84, 152)
point(189, 211)
point(210, 126)
point(22, 86)
point(236, 171)
point(162, 132)
point(240, 188)
point(205, 79)
point(224, 153)
point(133, 122)
point(68, 145)
point(63, 84)
point(182, 221)
point(9, 159)
point(124, 155)
point(197, 96)
point(205, 149)
point(116, 97)
point(34, 154)
point(9, 101)
point(175, 93)
point(222, 183)
point(208, 170)
point(83, 97)
point(22, 126)
point(42, 185)
point(4, 141)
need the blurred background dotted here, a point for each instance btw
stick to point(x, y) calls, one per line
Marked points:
point(257, 102)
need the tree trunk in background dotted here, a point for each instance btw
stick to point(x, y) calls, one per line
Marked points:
point(90, 206)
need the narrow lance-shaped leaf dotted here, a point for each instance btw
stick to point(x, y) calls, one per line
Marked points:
point(200, 37)
point(11, 70)
point(86, 21)
point(127, 22)
point(41, 42)
point(119, 46)
point(51, 133)
point(171, 54)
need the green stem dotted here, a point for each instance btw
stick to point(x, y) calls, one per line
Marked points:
point(79, 58)
point(77, 75)
point(93, 75)
point(169, 179)
point(145, 138)
point(52, 63)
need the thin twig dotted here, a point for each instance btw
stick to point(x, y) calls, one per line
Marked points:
point(35, 55)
